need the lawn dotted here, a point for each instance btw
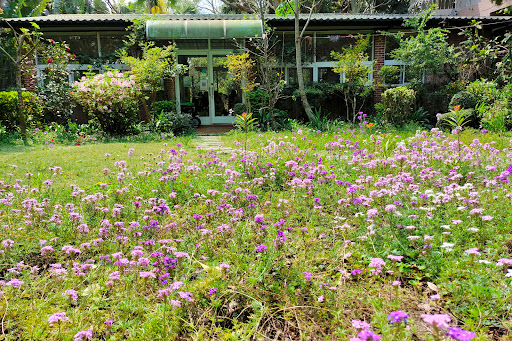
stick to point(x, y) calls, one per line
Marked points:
point(302, 235)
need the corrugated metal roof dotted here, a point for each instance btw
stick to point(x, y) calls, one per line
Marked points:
point(317, 17)
point(69, 18)
point(344, 17)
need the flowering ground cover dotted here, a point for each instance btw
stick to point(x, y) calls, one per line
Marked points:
point(299, 235)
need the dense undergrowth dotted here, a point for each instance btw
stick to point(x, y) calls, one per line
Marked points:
point(297, 235)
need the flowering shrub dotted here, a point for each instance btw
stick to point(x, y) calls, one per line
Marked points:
point(57, 105)
point(110, 98)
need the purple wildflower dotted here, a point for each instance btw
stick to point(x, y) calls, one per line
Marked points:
point(397, 317)
point(460, 334)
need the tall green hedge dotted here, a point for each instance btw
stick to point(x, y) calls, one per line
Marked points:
point(9, 109)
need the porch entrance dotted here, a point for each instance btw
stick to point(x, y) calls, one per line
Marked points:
point(205, 89)
point(203, 45)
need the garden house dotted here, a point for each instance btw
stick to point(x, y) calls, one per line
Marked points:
point(205, 40)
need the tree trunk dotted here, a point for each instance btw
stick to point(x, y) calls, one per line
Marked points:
point(145, 106)
point(265, 67)
point(21, 109)
point(298, 59)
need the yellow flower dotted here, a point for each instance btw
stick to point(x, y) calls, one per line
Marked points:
point(457, 108)
point(369, 125)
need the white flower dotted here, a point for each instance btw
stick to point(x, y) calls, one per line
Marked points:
point(473, 229)
point(448, 246)
point(484, 261)
point(446, 227)
point(509, 273)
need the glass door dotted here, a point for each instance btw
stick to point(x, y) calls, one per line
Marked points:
point(206, 90)
point(193, 90)
point(224, 92)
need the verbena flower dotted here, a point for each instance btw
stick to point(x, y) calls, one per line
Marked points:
point(368, 335)
point(57, 318)
point(397, 317)
point(438, 320)
point(460, 334)
point(83, 335)
point(261, 248)
point(358, 324)
point(307, 275)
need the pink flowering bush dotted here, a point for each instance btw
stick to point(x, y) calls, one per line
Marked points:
point(110, 98)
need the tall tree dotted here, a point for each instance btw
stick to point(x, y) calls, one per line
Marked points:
point(286, 9)
point(25, 42)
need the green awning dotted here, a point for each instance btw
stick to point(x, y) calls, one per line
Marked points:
point(203, 29)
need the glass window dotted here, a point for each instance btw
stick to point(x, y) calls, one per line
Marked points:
point(110, 43)
point(327, 75)
point(391, 44)
point(287, 49)
point(307, 72)
point(194, 85)
point(327, 43)
point(81, 45)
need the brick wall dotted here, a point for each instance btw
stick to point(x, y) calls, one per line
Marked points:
point(28, 78)
point(379, 54)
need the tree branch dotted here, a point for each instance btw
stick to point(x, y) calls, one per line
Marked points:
point(8, 55)
point(309, 17)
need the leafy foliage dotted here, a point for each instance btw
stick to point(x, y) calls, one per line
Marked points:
point(398, 104)
point(156, 63)
point(9, 109)
point(353, 63)
point(465, 99)
point(241, 71)
point(426, 52)
point(167, 106)
point(456, 119)
point(148, 71)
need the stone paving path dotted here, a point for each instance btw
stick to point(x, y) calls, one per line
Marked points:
point(211, 143)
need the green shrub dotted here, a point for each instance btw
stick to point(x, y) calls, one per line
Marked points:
point(258, 99)
point(465, 99)
point(316, 96)
point(506, 96)
point(9, 109)
point(398, 104)
point(165, 106)
point(171, 122)
point(264, 120)
point(484, 91)
point(494, 117)
point(239, 108)
point(57, 105)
